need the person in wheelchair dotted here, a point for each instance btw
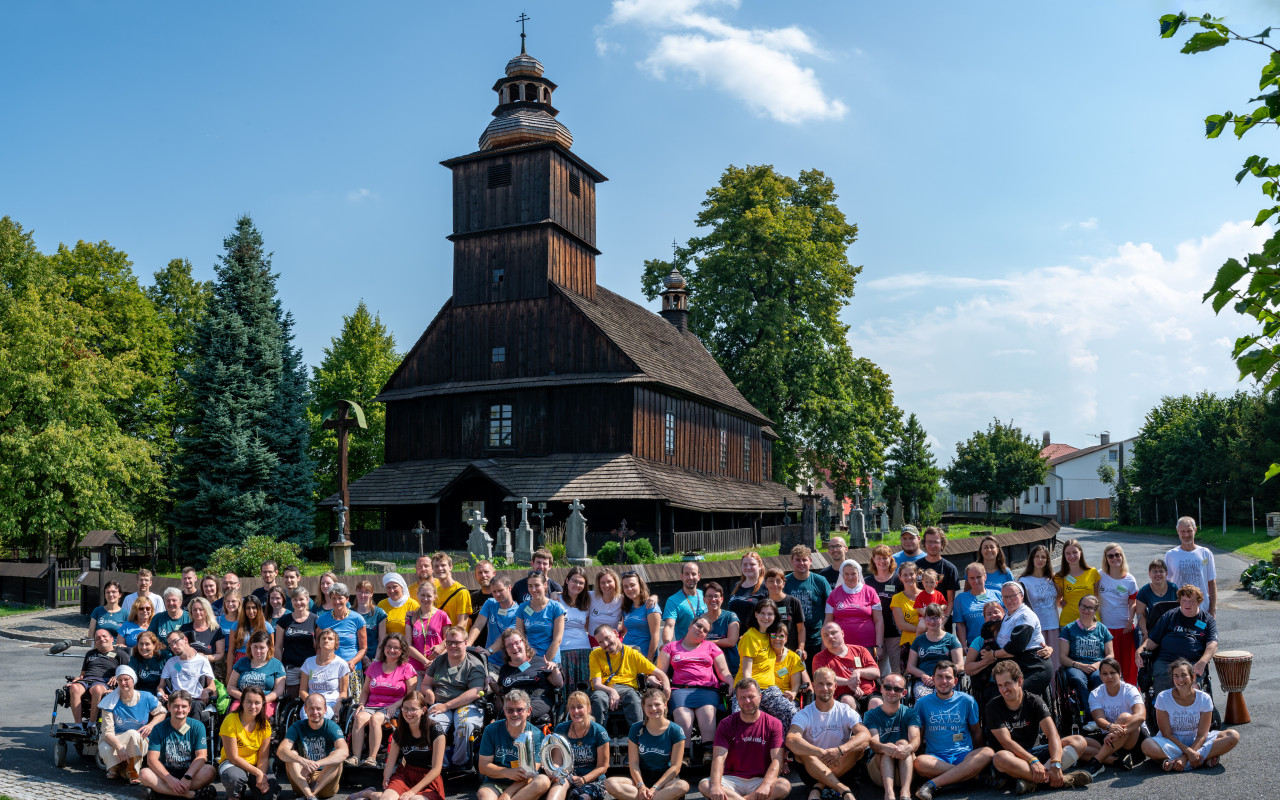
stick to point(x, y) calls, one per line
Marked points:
point(828, 738)
point(1029, 749)
point(147, 663)
point(97, 671)
point(532, 674)
point(1186, 632)
point(177, 761)
point(190, 672)
point(1081, 647)
point(1021, 639)
point(259, 670)
point(1120, 716)
point(589, 743)
point(325, 673)
point(1184, 715)
point(388, 680)
point(930, 648)
point(698, 670)
point(313, 751)
point(452, 685)
point(615, 677)
point(415, 755)
point(128, 717)
point(855, 669)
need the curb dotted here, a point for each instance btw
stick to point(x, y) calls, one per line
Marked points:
point(34, 637)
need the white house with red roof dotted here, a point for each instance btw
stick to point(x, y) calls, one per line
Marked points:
point(1072, 490)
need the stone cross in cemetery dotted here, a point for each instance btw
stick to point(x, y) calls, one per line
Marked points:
point(542, 513)
point(857, 527)
point(575, 536)
point(524, 534)
point(479, 543)
point(897, 522)
point(502, 542)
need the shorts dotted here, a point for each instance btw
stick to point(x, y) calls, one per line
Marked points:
point(588, 791)
point(1173, 751)
point(951, 757)
point(89, 683)
point(292, 676)
point(1100, 736)
point(694, 698)
point(406, 777)
point(809, 781)
point(649, 776)
point(743, 786)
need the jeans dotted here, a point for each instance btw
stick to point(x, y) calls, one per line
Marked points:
point(628, 704)
point(465, 722)
point(1077, 681)
point(239, 784)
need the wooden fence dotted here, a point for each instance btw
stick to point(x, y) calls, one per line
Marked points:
point(772, 534)
point(721, 541)
point(68, 585)
point(379, 541)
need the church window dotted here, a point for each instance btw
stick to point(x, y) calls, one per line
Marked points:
point(497, 276)
point(575, 184)
point(499, 175)
point(500, 426)
point(499, 355)
point(724, 449)
point(746, 454)
point(669, 436)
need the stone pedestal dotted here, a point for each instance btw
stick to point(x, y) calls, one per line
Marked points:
point(379, 567)
point(575, 536)
point(340, 553)
point(502, 543)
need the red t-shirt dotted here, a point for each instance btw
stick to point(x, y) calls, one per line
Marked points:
point(748, 744)
point(855, 657)
point(925, 598)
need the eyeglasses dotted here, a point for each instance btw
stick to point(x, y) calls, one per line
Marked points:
point(631, 573)
point(455, 643)
point(1088, 608)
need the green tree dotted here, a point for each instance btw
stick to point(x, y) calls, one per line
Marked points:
point(1000, 462)
point(356, 365)
point(913, 475)
point(1253, 288)
point(181, 301)
point(769, 281)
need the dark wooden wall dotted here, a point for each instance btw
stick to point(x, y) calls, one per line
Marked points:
point(698, 427)
point(577, 213)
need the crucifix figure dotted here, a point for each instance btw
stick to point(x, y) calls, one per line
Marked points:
point(786, 508)
point(542, 515)
point(522, 19)
point(339, 417)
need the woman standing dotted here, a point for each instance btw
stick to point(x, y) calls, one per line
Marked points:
point(251, 621)
point(327, 580)
point(425, 628)
point(882, 577)
point(110, 614)
point(353, 639)
point(258, 670)
point(246, 749)
point(992, 558)
point(128, 716)
point(725, 625)
point(757, 660)
point(140, 616)
point(296, 638)
point(325, 673)
point(655, 754)
point(1184, 714)
point(540, 620)
point(277, 604)
point(640, 620)
point(906, 617)
point(589, 743)
point(397, 604)
point(606, 600)
point(855, 607)
point(750, 588)
point(1074, 580)
point(415, 757)
point(1043, 597)
point(1118, 591)
point(1159, 590)
point(388, 680)
point(209, 590)
point(575, 647)
point(230, 616)
point(968, 612)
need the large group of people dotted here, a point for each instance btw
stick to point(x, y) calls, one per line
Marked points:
point(926, 674)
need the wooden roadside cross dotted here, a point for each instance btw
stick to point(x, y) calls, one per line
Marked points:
point(341, 416)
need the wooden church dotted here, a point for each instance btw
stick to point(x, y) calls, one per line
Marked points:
point(533, 381)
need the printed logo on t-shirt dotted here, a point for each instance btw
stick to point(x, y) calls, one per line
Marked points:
point(177, 752)
point(314, 747)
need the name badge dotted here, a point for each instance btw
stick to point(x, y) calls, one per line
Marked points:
point(782, 671)
point(857, 662)
point(957, 737)
point(889, 587)
point(1071, 579)
point(1200, 624)
point(525, 666)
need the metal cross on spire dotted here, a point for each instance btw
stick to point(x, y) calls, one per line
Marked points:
point(522, 19)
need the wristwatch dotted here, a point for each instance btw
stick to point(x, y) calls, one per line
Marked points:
point(1057, 764)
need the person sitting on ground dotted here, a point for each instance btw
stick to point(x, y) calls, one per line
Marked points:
point(296, 639)
point(169, 619)
point(243, 765)
point(828, 739)
point(139, 622)
point(1184, 715)
point(110, 615)
point(655, 752)
point(1158, 590)
point(684, 606)
point(452, 685)
point(388, 680)
point(855, 670)
point(747, 758)
point(498, 613)
point(953, 745)
point(895, 738)
point(725, 625)
point(454, 599)
point(756, 660)
point(96, 671)
point(145, 579)
point(790, 612)
point(177, 762)
point(1026, 735)
point(313, 751)
point(1188, 632)
point(128, 717)
point(325, 674)
point(929, 648)
point(1081, 647)
point(503, 778)
point(615, 677)
point(698, 669)
point(204, 634)
point(258, 670)
point(1119, 718)
point(532, 674)
point(398, 603)
point(589, 743)
point(147, 663)
point(190, 672)
point(375, 619)
point(415, 755)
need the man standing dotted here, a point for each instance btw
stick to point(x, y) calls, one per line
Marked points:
point(484, 572)
point(542, 561)
point(451, 596)
point(1019, 722)
point(948, 574)
point(895, 737)
point(826, 737)
point(500, 758)
point(268, 574)
point(452, 684)
point(811, 590)
point(190, 585)
point(496, 615)
point(313, 751)
point(910, 541)
point(952, 736)
point(684, 606)
point(615, 671)
point(422, 569)
point(144, 590)
point(230, 583)
point(855, 670)
point(837, 547)
point(747, 756)
point(1193, 564)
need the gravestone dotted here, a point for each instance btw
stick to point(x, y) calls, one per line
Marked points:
point(502, 541)
point(575, 536)
point(857, 528)
point(896, 523)
point(884, 521)
point(1273, 523)
point(379, 567)
point(806, 533)
point(524, 535)
point(479, 543)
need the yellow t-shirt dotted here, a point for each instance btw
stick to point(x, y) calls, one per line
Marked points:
point(619, 670)
point(755, 646)
point(1073, 590)
point(909, 612)
point(786, 668)
point(455, 602)
point(247, 743)
point(395, 616)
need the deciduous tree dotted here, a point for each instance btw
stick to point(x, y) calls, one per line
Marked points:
point(1000, 462)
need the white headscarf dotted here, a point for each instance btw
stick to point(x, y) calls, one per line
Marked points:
point(394, 577)
point(857, 570)
point(112, 699)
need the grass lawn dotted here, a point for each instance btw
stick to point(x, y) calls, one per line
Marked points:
point(8, 610)
point(1239, 539)
point(961, 531)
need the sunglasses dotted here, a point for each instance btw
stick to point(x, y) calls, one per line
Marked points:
point(887, 688)
point(631, 573)
point(1115, 555)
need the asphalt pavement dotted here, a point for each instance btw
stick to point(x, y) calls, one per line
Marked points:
point(29, 677)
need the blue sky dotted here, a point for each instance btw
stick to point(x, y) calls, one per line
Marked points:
point(1039, 212)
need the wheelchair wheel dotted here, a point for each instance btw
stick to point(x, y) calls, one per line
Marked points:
point(97, 758)
point(60, 753)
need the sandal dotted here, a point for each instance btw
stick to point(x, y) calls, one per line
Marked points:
point(371, 761)
point(350, 761)
point(1167, 766)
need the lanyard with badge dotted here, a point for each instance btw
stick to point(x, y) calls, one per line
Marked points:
point(613, 673)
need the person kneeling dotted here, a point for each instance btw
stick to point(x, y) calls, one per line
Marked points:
point(178, 754)
point(827, 738)
point(895, 737)
point(498, 748)
point(1018, 721)
point(313, 751)
point(747, 756)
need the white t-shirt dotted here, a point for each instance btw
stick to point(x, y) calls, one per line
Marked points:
point(1193, 567)
point(575, 629)
point(1023, 616)
point(1184, 720)
point(1112, 707)
point(603, 613)
point(325, 679)
point(186, 675)
point(157, 602)
point(1042, 597)
point(1115, 594)
point(827, 729)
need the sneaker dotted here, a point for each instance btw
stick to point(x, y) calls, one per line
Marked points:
point(1091, 727)
point(829, 794)
point(1027, 787)
point(1094, 768)
point(925, 792)
point(206, 793)
point(1076, 780)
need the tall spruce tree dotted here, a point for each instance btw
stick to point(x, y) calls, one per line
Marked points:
point(238, 455)
point(913, 474)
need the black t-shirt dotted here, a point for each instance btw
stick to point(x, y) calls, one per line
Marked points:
point(743, 603)
point(533, 681)
point(187, 598)
point(792, 614)
point(102, 666)
point(886, 590)
point(299, 639)
point(415, 751)
point(948, 573)
point(202, 642)
point(477, 600)
point(832, 574)
point(520, 591)
point(261, 594)
point(1023, 723)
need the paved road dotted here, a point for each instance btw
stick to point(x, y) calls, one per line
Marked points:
point(28, 678)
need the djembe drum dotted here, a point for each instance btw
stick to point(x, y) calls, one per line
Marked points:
point(1233, 673)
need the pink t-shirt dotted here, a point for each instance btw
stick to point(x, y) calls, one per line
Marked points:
point(694, 667)
point(748, 744)
point(425, 634)
point(852, 612)
point(387, 688)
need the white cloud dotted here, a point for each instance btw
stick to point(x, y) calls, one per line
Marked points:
point(757, 66)
point(360, 195)
point(1090, 224)
point(1072, 349)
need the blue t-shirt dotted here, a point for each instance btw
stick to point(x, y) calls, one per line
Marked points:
point(901, 556)
point(1148, 598)
point(371, 622)
point(263, 677)
point(684, 610)
point(498, 620)
point(1183, 637)
point(655, 751)
point(945, 723)
point(968, 609)
point(929, 653)
point(130, 631)
point(497, 742)
point(893, 728)
point(997, 579)
point(584, 749)
point(130, 718)
point(720, 629)
point(812, 592)
point(110, 620)
point(1088, 647)
point(539, 626)
point(227, 626)
point(637, 622)
point(162, 626)
point(348, 629)
point(177, 749)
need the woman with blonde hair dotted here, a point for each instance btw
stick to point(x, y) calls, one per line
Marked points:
point(589, 744)
point(882, 576)
point(1118, 591)
point(750, 588)
point(140, 616)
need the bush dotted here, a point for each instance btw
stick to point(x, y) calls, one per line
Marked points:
point(608, 553)
point(557, 552)
point(1262, 579)
point(639, 551)
point(1095, 524)
point(247, 557)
